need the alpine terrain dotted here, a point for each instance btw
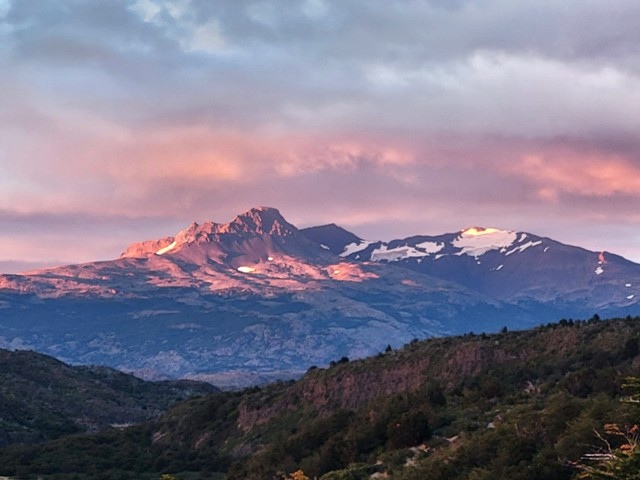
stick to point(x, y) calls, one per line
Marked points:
point(257, 298)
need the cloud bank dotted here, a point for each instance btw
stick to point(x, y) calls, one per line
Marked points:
point(124, 120)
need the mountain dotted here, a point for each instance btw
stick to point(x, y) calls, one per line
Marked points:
point(331, 237)
point(518, 405)
point(257, 299)
point(42, 398)
point(515, 267)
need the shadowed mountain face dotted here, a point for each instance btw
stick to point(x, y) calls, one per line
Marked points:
point(256, 298)
point(515, 267)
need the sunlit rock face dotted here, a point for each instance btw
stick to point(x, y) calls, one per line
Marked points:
point(256, 298)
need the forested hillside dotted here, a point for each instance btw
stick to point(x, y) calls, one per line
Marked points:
point(516, 405)
point(42, 398)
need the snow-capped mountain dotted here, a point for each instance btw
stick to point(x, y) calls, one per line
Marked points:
point(515, 267)
point(256, 297)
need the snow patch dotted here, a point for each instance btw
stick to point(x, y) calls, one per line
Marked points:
point(522, 237)
point(599, 270)
point(246, 269)
point(499, 267)
point(166, 249)
point(478, 241)
point(354, 247)
point(627, 285)
point(324, 246)
point(630, 297)
point(270, 259)
point(523, 247)
point(430, 247)
point(423, 249)
point(394, 254)
point(545, 249)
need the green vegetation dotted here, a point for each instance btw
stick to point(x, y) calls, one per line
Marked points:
point(42, 398)
point(513, 405)
point(619, 455)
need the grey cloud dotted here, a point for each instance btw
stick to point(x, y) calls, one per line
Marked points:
point(359, 30)
point(280, 66)
point(91, 29)
point(421, 30)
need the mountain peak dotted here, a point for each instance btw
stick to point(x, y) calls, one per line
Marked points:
point(261, 221)
point(256, 221)
point(331, 237)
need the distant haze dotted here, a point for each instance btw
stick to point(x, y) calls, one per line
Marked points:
point(122, 121)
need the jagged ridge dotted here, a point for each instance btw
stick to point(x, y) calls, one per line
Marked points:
point(255, 221)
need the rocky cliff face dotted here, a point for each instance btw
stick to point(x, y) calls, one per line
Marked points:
point(261, 222)
point(353, 385)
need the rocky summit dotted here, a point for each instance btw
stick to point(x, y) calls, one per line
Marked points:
point(256, 298)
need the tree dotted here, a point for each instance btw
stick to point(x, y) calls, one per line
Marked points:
point(623, 461)
point(631, 348)
point(409, 429)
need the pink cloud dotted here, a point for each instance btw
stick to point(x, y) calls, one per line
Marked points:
point(579, 172)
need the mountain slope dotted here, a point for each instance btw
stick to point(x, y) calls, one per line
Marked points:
point(256, 299)
point(513, 267)
point(42, 398)
point(230, 303)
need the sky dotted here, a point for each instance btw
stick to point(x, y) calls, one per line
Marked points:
point(126, 120)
